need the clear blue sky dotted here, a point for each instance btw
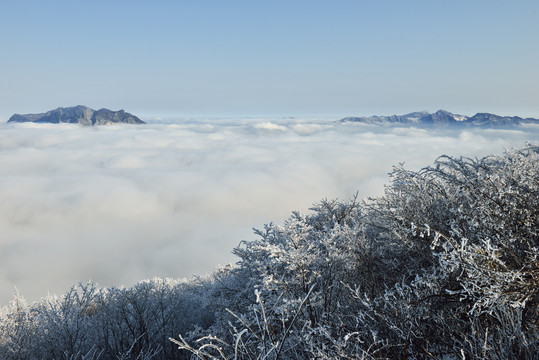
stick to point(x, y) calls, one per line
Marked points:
point(256, 58)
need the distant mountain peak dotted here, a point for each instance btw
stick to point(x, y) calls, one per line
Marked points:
point(79, 114)
point(443, 112)
point(444, 119)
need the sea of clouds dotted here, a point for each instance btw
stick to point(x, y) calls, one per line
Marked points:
point(119, 204)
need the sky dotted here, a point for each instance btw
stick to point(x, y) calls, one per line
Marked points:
point(280, 58)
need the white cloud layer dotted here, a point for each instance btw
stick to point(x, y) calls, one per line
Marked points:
point(120, 204)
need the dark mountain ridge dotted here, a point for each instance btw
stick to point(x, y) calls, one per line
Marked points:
point(442, 118)
point(80, 114)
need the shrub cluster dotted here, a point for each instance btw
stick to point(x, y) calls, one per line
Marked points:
point(444, 265)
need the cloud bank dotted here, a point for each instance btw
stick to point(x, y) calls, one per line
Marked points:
point(120, 204)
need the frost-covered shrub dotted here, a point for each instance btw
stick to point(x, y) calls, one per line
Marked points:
point(92, 323)
point(443, 265)
point(461, 244)
point(481, 219)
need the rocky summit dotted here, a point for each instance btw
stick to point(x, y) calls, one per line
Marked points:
point(80, 114)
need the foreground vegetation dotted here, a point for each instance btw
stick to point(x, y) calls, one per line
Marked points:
point(445, 264)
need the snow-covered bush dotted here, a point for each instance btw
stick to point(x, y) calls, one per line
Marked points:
point(444, 265)
point(92, 323)
point(480, 218)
